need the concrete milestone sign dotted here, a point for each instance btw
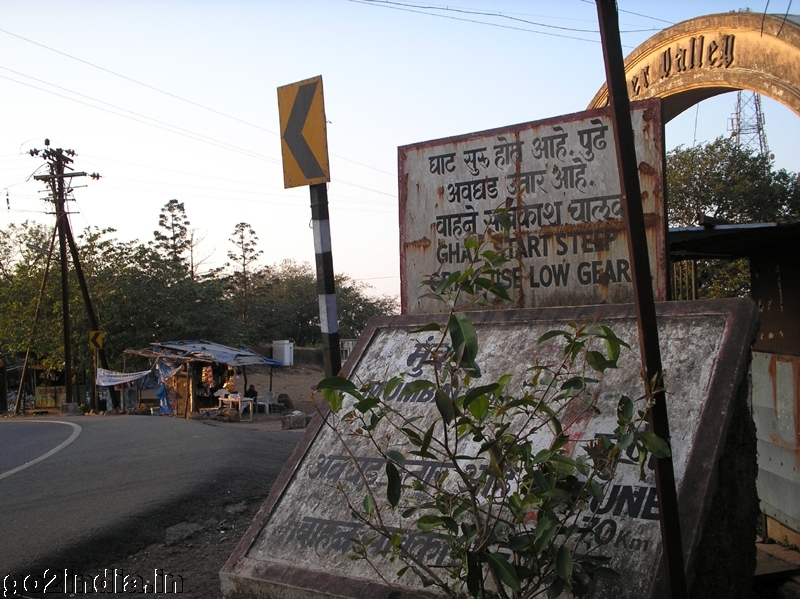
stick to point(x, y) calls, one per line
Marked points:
point(559, 182)
point(298, 545)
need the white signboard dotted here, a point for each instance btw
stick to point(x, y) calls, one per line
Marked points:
point(302, 538)
point(558, 183)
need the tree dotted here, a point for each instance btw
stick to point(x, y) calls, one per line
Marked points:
point(721, 180)
point(245, 240)
point(286, 304)
point(173, 242)
point(355, 307)
point(24, 255)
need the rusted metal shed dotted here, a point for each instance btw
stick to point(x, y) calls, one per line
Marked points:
point(775, 368)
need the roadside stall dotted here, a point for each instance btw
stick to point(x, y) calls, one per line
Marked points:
point(194, 375)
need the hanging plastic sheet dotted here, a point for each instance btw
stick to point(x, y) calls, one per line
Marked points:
point(163, 400)
point(165, 370)
point(109, 378)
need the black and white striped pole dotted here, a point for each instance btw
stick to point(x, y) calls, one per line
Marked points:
point(304, 146)
point(326, 285)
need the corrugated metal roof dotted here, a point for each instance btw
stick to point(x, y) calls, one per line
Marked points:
point(731, 241)
point(205, 351)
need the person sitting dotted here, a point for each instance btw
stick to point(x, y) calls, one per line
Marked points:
point(251, 392)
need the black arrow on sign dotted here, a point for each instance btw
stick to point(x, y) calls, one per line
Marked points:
point(293, 135)
point(96, 339)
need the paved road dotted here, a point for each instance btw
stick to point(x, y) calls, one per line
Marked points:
point(103, 480)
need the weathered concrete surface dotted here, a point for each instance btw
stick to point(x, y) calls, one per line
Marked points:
point(714, 54)
point(298, 544)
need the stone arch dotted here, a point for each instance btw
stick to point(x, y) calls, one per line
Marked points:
point(714, 54)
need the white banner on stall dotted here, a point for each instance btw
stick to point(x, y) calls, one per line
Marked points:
point(109, 378)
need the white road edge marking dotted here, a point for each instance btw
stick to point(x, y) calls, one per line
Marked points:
point(75, 433)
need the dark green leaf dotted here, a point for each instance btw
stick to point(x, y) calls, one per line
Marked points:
point(503, 570)
point(366, 404)
point(448, 282)
point(368, 504)
point(334, 399)
point(625, 408)
point(474, 573)
point(554, 333)
point(555, 589)
point(445, 406)
point(598, 361)
point(479, 407)
point(393, 486)
point(395, 456)
point(339, 383)
point(412, 436)
point(426, 441)
point(564, 564)
point(500, 292)
point(575, 383)
point(483, 283)
point(464, 340)
point(391, 385)
point(431, 326)
point(655, 444)
point(478, 391)
point(415, 386)
point(429, 522)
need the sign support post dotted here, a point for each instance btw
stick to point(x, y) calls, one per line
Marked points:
point(326, 286)
point(642, 292)
point(304, 147)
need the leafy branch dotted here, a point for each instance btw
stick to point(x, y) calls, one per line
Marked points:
point(495, 478)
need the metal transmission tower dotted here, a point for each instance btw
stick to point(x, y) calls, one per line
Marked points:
point(747, 123)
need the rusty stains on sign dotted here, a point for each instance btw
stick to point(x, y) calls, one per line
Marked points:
point(556, 184)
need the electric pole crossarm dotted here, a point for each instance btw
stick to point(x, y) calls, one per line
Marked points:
point(53, 177)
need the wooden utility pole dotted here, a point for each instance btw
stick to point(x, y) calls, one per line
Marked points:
point(58, 161)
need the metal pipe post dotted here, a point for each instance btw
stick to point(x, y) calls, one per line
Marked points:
point(642, 290)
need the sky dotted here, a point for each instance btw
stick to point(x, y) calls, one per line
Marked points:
point(177, 99)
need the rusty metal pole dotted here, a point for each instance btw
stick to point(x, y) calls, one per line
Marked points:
point(642, 290)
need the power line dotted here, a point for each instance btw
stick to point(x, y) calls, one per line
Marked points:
point(395, 6)
point(171, 95)
point(156, 123)
point(137, 82)
point(483, 13)
point(164, 126)
point(636, 14)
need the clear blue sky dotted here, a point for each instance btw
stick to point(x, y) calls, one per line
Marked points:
point(177, 99)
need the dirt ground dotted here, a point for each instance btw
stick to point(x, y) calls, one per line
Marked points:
point(298, 382)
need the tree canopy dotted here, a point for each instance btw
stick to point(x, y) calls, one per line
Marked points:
point(726, 182)
point(722, 180)
point(148, 292)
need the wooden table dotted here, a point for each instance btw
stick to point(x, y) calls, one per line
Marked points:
point(240, 402)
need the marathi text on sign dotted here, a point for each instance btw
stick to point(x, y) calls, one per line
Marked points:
point(557, 185)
